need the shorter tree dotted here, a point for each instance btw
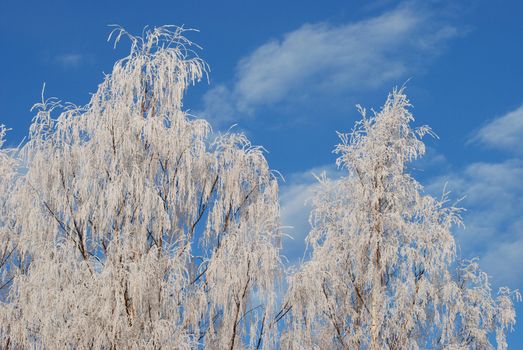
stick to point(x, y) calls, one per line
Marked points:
point(383, 272)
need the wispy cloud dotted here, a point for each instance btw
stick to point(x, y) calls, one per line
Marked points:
point(493, 220)
point(71, 60)
point(505, 132)
point(295, 197)
point(322, 58)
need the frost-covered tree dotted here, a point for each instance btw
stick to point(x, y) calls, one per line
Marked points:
point(125, 225)
point(383, 272)
point(10, 260)
point(138, 230)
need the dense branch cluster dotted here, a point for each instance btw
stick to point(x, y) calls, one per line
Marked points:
point(125, 225)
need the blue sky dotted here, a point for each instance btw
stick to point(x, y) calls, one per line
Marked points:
point(289, 74)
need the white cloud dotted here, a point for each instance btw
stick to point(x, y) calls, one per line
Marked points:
point(325, 59)
point(218, 104)
point(431, 164)
point(493, 220)
point(70, 60)
point(295, 198)
point(505, 259)
point(504, 133)
point(295, 209)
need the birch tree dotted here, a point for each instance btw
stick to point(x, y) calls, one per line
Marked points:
point(141, 231)
point(383, 272)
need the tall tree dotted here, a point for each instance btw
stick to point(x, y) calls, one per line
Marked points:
point(383, 272)
point(141, 231)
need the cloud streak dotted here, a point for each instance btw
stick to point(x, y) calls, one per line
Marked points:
point(504, 133)
point(295, 198)
point(70, 60)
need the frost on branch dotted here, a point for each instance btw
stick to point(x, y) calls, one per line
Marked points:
point(382, 274)
point(141, 232)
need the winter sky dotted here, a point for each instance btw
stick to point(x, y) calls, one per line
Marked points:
point(289, 74)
